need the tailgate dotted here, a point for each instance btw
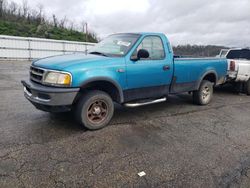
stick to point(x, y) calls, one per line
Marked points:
point(243, 70)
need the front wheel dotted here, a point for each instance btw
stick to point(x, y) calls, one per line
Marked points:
point(95, 109)
point(205, 93)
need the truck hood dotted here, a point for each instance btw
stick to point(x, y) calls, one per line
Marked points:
point(63, 62)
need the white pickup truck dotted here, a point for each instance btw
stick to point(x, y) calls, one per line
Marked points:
point(238, 71)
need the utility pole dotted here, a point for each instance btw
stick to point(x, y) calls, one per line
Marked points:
point(85, 29)
point(86, 33)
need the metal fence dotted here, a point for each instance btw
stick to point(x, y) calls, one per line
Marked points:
point(33, 48)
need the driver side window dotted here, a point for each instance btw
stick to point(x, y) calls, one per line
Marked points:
point(154, 46)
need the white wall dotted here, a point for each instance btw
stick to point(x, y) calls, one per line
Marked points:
point(32, 48)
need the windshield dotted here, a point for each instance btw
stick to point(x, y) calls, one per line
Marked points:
point(239, 54)
point(115, 45)
point(223, 53)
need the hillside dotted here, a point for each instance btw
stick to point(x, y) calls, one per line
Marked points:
point(42, 31)
point(20, 20)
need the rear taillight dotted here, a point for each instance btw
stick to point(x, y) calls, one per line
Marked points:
point(232, 65)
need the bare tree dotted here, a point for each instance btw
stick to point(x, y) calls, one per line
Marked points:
point(63, 22)
point(33, 14)
point(54, 20)
point(28, 18)
point(25, 8)
point(13, 8)
point(40, 13)
point(1, 8)
point(71, 25)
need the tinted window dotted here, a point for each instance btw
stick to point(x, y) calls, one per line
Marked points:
point(154, 46)
point(239, 54)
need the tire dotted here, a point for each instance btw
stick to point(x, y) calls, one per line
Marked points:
point(248, 87)
point(94, 110)
point(239, 87)
point(205, 93)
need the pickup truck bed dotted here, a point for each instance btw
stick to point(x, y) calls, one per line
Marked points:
point(188, 72)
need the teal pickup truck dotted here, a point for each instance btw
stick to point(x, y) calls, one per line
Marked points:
point(131, 69)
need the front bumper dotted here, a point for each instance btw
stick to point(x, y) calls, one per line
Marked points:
point(51, 99)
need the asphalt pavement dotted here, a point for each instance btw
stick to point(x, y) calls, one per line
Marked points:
point(176, 143)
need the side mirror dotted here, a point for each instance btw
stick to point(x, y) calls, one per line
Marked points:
point(142, 53)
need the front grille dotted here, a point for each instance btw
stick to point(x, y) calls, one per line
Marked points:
point(36, 74)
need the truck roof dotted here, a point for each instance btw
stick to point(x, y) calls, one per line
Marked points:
point(151, 33)
point(142, 33)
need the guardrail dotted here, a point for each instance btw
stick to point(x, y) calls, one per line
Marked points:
point(32, 48)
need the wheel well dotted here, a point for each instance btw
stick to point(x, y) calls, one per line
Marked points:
point(210, 77)
point(105, 86)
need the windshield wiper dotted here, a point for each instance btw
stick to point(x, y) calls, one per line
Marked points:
point(98, 53)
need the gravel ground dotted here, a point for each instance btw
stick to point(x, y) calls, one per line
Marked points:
point(176, 143)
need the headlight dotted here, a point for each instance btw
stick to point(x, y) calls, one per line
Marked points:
point(57, 78)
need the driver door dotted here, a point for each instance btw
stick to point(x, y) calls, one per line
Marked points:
point(149, 77)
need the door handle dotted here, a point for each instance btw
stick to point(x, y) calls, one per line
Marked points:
point(120, 70)
point(166, 67)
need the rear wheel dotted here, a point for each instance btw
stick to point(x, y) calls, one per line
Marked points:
point(95, 109)
point(205, 93)
point(238, 87)
point(248, 87)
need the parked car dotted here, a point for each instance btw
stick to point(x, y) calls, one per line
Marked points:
point(131, 69)
point(238, 67)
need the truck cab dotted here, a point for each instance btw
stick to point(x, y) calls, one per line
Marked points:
point(131, 69)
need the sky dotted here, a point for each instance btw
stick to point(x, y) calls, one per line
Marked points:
point(215, 22)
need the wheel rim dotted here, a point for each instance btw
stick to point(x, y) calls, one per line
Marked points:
point(206, 93)
point(97, 111)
